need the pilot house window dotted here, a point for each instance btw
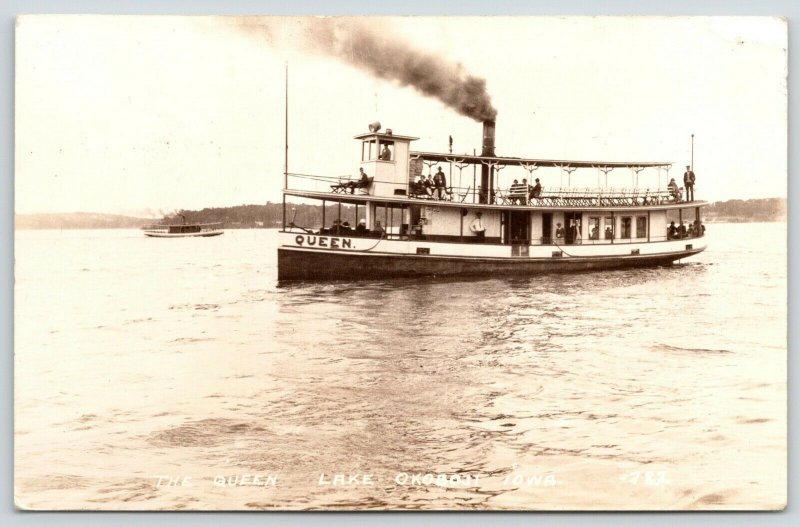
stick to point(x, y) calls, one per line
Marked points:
point(369, 150)
point(386, 151)
point(377, 150)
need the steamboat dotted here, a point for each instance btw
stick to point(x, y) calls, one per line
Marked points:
point(183, 230)
point(442, 214)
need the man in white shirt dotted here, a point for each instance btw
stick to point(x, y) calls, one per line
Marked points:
point(477, 227)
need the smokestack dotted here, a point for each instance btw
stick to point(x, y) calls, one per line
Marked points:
point(487, 186)
point(488, 139)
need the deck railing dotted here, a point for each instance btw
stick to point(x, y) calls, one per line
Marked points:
point(548, 197)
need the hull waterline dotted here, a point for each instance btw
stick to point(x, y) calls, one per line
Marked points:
point(300, 264)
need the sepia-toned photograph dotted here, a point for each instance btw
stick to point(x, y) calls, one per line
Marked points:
point(400, 263)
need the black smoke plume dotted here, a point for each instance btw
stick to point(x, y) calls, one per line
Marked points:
point(365, 45)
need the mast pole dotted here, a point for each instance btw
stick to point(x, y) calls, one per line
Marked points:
point(286, 141)
point(692, 167)
point(286, 128)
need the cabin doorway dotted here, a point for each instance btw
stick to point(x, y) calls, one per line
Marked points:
point(547, 228)
point(570, 219)
point(518, 227)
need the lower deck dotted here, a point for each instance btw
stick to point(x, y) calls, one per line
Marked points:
point(428, 239)
point(312, 257)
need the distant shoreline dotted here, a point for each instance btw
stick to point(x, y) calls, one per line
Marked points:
point(270, 216)
point(240, 227)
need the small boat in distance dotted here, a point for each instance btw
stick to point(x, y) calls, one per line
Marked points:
point(183, 230)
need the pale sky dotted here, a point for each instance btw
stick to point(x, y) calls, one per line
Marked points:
point(127, 114)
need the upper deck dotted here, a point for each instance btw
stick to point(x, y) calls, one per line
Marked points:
point(392, 173)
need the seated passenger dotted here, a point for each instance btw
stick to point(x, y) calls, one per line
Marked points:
point(682, 230)
point(595, 234)
point(536, 191)
point(335, 229)
point(516, 193)
point(699, 228)
point(672, 187)
point(429, 185)
point(361, 228)
point(344, 229)
point(363, 182)
point(379, 228)
point(609, 233)
point(672, 231)
point(418, 187)
point(690, 231)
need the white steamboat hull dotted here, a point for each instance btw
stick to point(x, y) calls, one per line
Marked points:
point(309, 257)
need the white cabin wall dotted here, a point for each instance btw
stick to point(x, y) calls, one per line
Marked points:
point(401, 162)
point(389, 175)
point(443, 220)
point(584, 226)
point(658, 225)
point(536, 228)
point(447, 221)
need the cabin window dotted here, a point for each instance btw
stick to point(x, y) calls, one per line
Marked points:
point(625, 225)
point(386, 150)
point(609, 228)
point(641, 226)
point(369, 150)
point(594, 228)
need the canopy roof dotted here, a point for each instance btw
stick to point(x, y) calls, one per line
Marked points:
point(525, 163)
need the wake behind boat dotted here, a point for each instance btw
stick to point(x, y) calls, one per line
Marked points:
point(183, 230)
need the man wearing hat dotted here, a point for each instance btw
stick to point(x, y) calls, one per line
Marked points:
point(440, 183)
point(536, 190)
point(688, 183)
point(672, 187)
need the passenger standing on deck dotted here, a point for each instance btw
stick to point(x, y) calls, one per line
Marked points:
point(440, 183)
point(688, 183)
point(575, 232)
point(559, 232)
point(477, 227)
point(682, 230)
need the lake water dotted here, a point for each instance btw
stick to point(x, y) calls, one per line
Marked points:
point(176, 374)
